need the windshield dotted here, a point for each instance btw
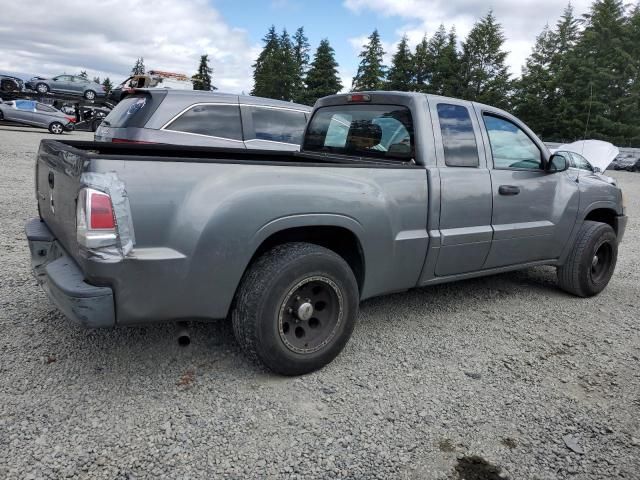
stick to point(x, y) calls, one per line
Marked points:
point(380, 131)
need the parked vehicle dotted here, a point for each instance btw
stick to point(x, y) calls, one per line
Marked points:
point(29, 112)
point(154, 79)
point(11, 84)
point(69, 84)
point(206, 119)
point(634, 167)
point(623, 162)
point(391, 191)
point(578, 162)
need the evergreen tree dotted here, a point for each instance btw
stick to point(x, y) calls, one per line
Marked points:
point(443, 63)
point(138, 67)
point(401, 74)
point(534, 91)
point(84, 74)
point(267, 68)
point(485, 77)
point(96, 79)
point(601, 66)
point(563, 65)
point(301, 59)
point(371, 70)
point(287, 68)
point(202, 79)
point(107, 85)
point(630, 112)
point(449, 67)
point(322, 79)
point(422, 66)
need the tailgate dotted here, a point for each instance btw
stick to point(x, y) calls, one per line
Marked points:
point(58, 171)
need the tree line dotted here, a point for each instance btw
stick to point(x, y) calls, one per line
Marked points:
point(582, 78)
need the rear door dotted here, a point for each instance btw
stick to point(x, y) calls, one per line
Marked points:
point(272, 128)
point(465, 186)
point(533, 211)
point(44, 115)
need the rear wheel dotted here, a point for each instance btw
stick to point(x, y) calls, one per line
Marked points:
point(95, 124)
point(90, 95)
point(296, 308)
point(42, 88)
point(591, 262)
point(56, 128)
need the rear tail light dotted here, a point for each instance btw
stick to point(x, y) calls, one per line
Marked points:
point(95, 221)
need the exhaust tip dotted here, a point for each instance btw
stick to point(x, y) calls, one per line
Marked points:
point(184, 339)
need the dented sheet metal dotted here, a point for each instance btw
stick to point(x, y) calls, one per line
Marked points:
point(110, 184)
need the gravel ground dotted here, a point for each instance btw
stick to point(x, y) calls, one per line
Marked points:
point(499, 377)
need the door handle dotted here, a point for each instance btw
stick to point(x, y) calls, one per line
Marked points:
point(509, 190)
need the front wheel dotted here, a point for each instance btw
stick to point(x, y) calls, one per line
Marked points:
point(90, 95)
point(296, 308)
point(56, 128)
point(42, 88)
point(591, 261)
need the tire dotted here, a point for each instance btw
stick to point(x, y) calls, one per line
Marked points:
point(95, 124)
point(278, 328)
point(90, 95)
point(56, 128)
point(591, 261)
point(42, 88)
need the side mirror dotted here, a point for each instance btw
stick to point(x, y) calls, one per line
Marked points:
point(557, 163)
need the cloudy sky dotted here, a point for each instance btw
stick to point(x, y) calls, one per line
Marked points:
point(105, 37)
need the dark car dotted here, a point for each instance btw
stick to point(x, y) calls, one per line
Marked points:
point(11, 84)
point(622, 163)
point(633, 167)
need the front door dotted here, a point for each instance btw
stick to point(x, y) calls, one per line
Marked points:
point(534, 211)
point(465, 189)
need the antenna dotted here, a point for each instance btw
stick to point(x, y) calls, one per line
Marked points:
point(586, 128)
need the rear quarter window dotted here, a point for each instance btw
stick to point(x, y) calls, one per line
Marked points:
point(222, 120)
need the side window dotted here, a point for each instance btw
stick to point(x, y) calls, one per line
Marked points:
point(458, 139)
point(278, 125)
point(212, 120)
point(580, 162)
point(44, 108)
point(511, 147)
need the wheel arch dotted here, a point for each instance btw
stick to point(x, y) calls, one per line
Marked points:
point(337, 233)
point(603, 213)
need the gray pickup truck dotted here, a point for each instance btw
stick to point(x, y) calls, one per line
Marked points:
point(391, 191)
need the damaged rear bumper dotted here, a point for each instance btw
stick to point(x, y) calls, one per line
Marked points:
point(59, 276)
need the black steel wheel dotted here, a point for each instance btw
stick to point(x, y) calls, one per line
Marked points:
point(591, 262)
point(310, 314)
point(296, 308)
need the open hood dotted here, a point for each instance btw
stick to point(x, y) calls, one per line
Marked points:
point(599, 154)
